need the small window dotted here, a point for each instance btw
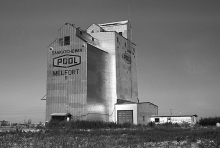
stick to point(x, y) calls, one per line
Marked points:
point(92, 39)
point(125, 44)
point(120, 33)
point(117, 40)
point(143, 118)
point(66, 40)
point(157, 119)
point(61, 41)
point(81, 33)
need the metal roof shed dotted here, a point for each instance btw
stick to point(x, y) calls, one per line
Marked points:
point(61, 116)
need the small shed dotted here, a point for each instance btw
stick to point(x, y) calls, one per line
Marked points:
point(61, 116)
point(191, 119)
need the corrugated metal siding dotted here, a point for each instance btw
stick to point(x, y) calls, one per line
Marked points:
point(126, 68)
point(123, 73)
point(66, 91)
point(146, 110)
point(98, 84)
point(107, 43)
point(134, 73)
point(126, 71)
point(123, 70)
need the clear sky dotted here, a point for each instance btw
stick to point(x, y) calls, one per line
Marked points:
point(178, 51)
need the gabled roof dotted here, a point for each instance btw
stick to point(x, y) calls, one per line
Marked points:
point(67, 24)
point(97, 26)
point(60, 114)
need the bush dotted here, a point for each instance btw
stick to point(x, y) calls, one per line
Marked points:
point(54, 124)
point(151, 124)
point(163, 125)
point(211, 121)
point(82, 124)
point(126, 125)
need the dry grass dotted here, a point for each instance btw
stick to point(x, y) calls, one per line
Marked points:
point(159, 136)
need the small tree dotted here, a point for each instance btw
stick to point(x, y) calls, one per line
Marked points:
point(29, 122)
point(4, 123)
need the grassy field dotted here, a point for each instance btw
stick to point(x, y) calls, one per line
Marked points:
point(117, 137)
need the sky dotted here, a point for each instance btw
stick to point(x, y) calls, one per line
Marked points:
point(178, 51)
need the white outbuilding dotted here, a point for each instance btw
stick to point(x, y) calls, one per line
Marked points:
point(191, 119)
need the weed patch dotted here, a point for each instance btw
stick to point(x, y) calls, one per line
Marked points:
point(102, 135)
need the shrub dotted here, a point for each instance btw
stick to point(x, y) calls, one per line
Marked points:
point(126, 125)
point(82, 124)
point(151, 124)
point(211, 121)
point(53, 124)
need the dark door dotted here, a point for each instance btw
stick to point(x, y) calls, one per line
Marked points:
point(125, 116)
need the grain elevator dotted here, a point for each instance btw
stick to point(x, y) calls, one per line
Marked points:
point(92, 75)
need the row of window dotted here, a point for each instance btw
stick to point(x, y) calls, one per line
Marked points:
point(64, 41)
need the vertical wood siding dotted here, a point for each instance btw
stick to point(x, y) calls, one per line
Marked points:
point(67, 86)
